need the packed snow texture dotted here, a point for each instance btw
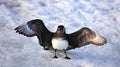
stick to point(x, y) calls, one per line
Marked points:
point(102, 16)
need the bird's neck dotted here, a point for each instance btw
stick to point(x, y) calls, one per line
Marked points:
point(60, 35)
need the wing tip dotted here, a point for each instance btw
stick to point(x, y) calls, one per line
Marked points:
point(99, 40)
point(105, 42)
point(16, 28)
point(21, 30)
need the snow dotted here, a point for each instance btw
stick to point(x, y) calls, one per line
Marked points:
point(102, 16)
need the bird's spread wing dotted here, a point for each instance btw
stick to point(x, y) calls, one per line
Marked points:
point(35, 28)
point(83, 37)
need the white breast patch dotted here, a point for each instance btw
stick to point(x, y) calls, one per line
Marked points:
point(59, 44)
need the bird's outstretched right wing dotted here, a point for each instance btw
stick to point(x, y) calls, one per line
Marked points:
point(36, 28)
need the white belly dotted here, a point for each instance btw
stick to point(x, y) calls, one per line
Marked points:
point(59, 44)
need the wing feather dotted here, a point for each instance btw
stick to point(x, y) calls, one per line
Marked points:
point(25, 30)
point(83, 37)
point(36, 28)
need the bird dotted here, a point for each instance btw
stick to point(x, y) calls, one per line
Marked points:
point(60, 40)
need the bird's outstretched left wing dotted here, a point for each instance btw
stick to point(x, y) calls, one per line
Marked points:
point(36, 28)
point(84, 37)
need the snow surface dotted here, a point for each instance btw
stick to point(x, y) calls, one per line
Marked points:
point(102, 16)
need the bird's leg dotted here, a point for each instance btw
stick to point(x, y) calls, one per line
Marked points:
point(66, 57)
point(55, 54)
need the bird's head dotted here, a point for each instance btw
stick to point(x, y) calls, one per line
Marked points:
point(60, 29)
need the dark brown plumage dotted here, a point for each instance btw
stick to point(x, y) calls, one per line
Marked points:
point(84, 37)
point(36, 28)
